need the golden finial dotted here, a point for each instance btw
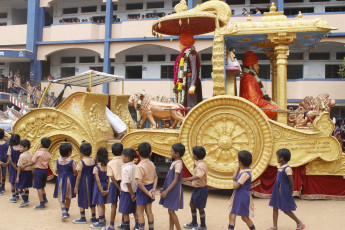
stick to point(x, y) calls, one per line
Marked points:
point(300, 15)
point(182, 6)
point(171, 38)
point(161, 37)
point(180, 21)
point(157, 35)
point(249, 19)
point(273, 7)
point(159, 25)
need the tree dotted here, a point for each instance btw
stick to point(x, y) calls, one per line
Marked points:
point(342, 69)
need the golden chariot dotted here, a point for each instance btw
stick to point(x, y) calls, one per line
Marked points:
point(225, 123)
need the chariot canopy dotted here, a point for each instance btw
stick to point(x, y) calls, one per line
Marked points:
point(88, 79)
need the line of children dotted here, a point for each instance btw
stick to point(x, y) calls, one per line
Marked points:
point(12, 161)
point(65, 167)
point(136, 185)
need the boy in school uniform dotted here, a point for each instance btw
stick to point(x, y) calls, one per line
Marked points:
point(200, 192)
point(146, 178)
point(41, 161)
point(114, 168)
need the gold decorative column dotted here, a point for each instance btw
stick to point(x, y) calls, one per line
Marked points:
point(282, 41)
point(218, 56)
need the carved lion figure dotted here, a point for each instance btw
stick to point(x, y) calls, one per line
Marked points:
point(157, 108)
point(308, 109)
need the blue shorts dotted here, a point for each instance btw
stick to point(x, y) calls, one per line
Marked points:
point(25, 180)
point(142, 198)
point(199, 197)
point(114, 193)
point(40, 178)
point(126, 206)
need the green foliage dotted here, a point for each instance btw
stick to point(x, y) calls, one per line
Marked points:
point(342, 69)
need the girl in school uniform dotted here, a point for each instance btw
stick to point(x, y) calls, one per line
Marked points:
point(100, 187)
point(3, 161)
point(12, 159)
point(65, 167)
point(84, 184)
point(282, 191)
point(172, 193)
point(241, 201)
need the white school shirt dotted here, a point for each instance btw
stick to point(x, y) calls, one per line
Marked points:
point(128, 176)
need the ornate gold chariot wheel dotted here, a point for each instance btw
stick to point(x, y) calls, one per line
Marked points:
point(225, 125)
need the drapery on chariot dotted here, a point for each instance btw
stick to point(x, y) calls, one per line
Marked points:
point(226, 123)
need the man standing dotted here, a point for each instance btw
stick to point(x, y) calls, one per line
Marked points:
point(187, 84)
point(251, 87)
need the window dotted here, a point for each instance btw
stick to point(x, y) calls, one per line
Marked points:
point(319, 56)
point(294, 11)
point(174, 3)
point(3, 15)
point(156, 57)
point(206, 71)
point(88, 9)
point(331, 71)
point(167, 71)
point(133, 16)
point(236, 2)
point(3, 24)
point(87, 59)
point(73, 10)
point(294, 71)
point(265, 71)
point(2, 63)
point(134, 72)
point(259, 1)
point(262, 56)
point(67, 71)
point(173, 57)
point(206, 57)
point(292, 1)
point(134, 6)
point(104, 7)
point(335, 9)
point(340, 55)
point(295, 56)
point(134, 58)
point(67, 60)
point(154, 5)
point(319, 0)
point(100, 69)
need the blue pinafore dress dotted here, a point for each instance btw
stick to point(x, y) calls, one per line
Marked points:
point(3, 156)
point(281, 196)
point(174, 199)
point(241, 200)
point(12, 173)
point(85, 191)
point(65, 174)
point(97, 197)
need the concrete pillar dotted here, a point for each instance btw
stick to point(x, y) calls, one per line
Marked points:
point(108, 29)
point(190, 4)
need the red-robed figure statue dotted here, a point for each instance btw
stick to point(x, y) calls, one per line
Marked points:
point(187, 84)
point(251, 87)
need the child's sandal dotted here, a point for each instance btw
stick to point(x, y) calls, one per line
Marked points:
point(302, 227)
point(273, 228)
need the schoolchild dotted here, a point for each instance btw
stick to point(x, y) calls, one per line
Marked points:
point(13, 154)
point(241, 200)
point(84, 184)
point(24, 174)
point(41, 161)
point(282, 191)
point(65, 167)
point(3, 161)
point(172, 192)
point(114, 173)
point(146, 179)
point(128, 186)
point(100, 186)
point(200, 191)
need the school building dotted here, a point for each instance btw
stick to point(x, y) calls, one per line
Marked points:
point(64, 38)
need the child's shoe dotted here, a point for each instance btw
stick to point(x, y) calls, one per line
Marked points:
point(119, 227)
point(94, 220)
point(98, 225)
point(40, 207)
point(64, 216)
point(135, 228)
point(108, 228)
point(13, 199)
point(191, 225)
point(200, 228)
point(23, 204)
point(80, 221)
